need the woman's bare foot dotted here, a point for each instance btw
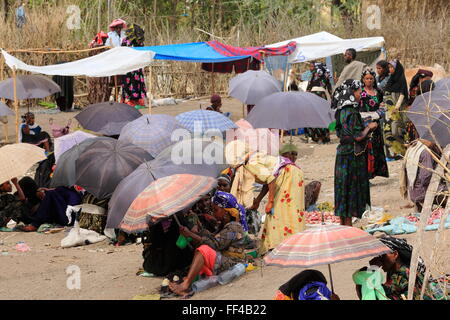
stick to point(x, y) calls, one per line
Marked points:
point(180, 289)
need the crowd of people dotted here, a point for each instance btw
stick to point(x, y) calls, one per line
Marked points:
point(224, 227)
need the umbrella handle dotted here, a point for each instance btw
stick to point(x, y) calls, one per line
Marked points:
point(331, 279)
point(180, 225)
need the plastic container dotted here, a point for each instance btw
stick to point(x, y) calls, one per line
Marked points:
point(182, 241)
point(204, 284)
point(231, 274)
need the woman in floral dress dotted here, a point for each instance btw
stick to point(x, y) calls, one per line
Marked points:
point(371, 110)
point(351, 179)
point(133, 86)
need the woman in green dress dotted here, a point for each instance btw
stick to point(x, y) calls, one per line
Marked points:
point(371, 109)
point(351, 179)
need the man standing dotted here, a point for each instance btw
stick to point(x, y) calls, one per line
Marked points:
point(116, 34)
point(353, 69)
point(216, 103)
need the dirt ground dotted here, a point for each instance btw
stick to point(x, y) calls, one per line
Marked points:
point(109, 272)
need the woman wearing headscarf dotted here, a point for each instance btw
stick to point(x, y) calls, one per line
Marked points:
point(395, 98)
point(215, 252)
point(283, 181)
point(228, 202)
point(370, 108)
point(133, 85)
point(321, 86)
point(351, 179)
point(397, 266)
point(117, 33)
point(382, 74)
point(306, 285)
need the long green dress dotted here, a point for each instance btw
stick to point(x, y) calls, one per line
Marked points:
point(351, 179)
point(371, 103)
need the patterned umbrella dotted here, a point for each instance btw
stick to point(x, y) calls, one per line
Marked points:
point(152, 133)
point(164, 197)
point(64, 143)
point(16, 159)
point(203, 120)
point(325, 245)
point(130, 187)
point(251, 86)
point(107, 118)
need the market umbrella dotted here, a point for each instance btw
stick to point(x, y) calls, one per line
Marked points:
point(64, 143)
point(193, 152)
point(325, 244)
point(16, 159)
point(65, 173)
point(28, 87)
point(130, 187)
point(291, 110)
point(153, 133)
point(164, 197)
point(200, 121)
point(443, 84)
point(261, 139)
point(102, 166)
point(251, 86)
point(430, 114)
point(107, 118)
point(5, 110)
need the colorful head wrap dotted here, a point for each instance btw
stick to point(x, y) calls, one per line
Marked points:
point(404, 251)
point(344, 94)
point(225, 177)
point(321, 70)
point(315, 291)
point(135, 36)
point(229, 203)
point(116, 23)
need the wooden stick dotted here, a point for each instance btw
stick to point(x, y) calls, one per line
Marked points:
point(16, 102)
point(243, 110)
point(150, 82)
point(116, 89)
point(212, 80)
point(281, 137)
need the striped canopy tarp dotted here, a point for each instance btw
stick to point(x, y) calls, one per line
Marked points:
point(164, 197)
point(205, 120)
point(325, 245)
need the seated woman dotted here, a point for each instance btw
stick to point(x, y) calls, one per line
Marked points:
point(397, 267)
point(307, 285)
point(31, 133)
point(217, 252)
point(53, 208)
point(12, 207)
point(204, 215)
point(161, 254)
point(416, 174)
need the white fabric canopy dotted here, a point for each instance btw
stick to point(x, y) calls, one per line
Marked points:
point(112, 62)
point(324, 44)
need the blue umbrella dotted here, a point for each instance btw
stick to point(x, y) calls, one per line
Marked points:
point(205, 120)
point(152, 133)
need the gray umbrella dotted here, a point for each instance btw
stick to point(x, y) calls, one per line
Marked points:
point(431, 110)
point(64, 174)
point(291, 110)
point(5, 110)
point(443, 84)
point(28, 87)
point(136, 182)
point(251, 86)
point(107, 118)
point(102, 166)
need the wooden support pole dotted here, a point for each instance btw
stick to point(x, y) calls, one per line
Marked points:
point(5, 125)
point(212, 81)
point(149, 90)
point(16, 103)
point(243, 110)
point(116, 90)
